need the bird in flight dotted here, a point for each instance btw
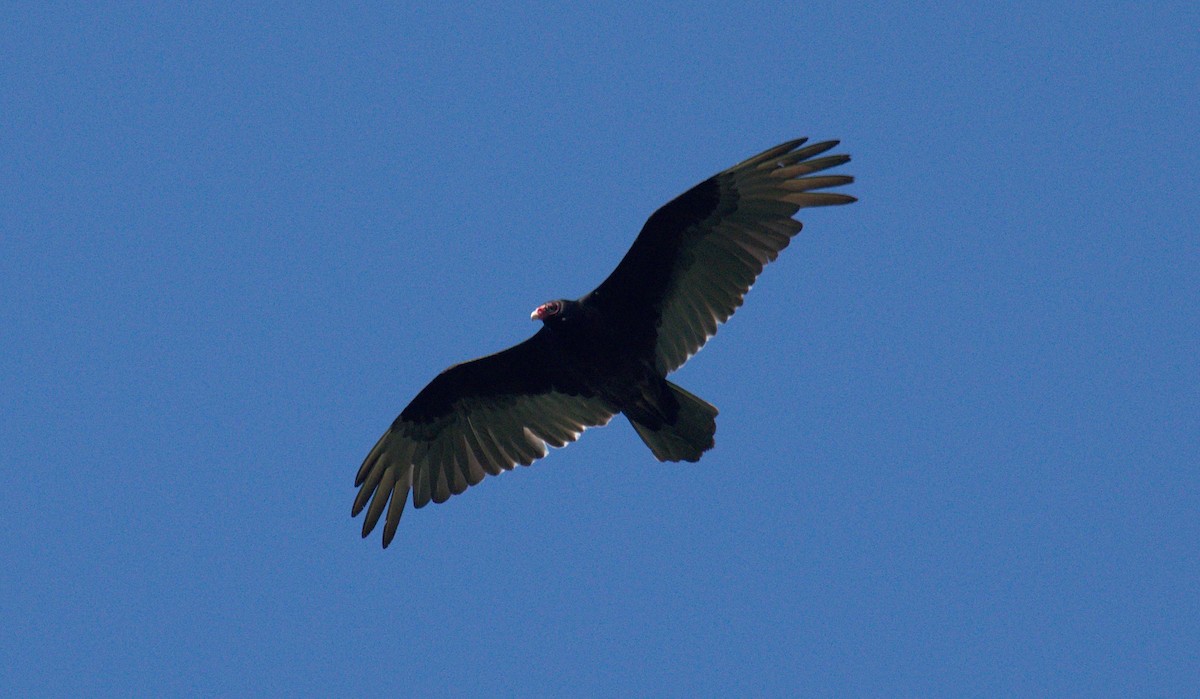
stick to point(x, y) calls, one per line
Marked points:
point(610, 351)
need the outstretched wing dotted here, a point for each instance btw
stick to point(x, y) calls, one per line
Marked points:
point(478, 418)
point(698, 255)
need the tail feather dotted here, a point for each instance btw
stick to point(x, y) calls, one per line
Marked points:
point(689, 436)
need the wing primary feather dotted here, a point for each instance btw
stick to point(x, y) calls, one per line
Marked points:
point(810, 166)
point(806, 199)
point(369, 462)
point(421, 490)
point(368, 488)
point(805, 184)
point(802, 154)
point(768, 155)
point(439, 478)
point(757, 207)
point(461, 465)
point(396, 504)
point(432, 465)
point(381, 498)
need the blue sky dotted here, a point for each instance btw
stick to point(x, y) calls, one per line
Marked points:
point(958, 443)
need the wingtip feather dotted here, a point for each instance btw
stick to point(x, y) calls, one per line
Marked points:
point(396, 507)
point(381, 498)
point(810, 199)
point(770, 154)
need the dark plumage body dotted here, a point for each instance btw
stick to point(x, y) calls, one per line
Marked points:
point(610, 351)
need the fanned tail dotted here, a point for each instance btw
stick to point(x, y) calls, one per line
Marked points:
point(689, 436)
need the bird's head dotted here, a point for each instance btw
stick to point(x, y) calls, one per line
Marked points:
point(549, 311)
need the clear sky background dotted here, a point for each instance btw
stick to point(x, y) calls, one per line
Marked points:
point(959, 437)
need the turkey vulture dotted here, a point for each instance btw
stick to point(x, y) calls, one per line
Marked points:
point(610, 351)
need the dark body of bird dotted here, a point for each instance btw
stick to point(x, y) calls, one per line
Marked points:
point(610, 351)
